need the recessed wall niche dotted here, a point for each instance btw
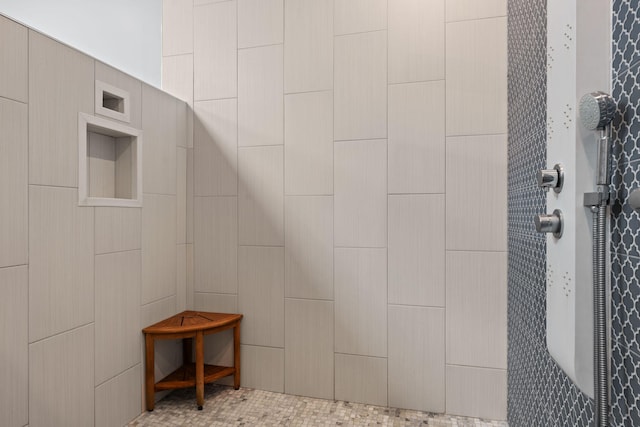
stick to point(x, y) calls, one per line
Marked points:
point(110, 163)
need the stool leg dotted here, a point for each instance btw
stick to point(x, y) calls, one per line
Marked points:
point(199, 369)
point(149, 372)
point(236, 356)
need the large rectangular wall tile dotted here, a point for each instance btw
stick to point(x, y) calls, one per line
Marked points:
point(263, 368)
point(361, 301)
point(215, 51)
point(360, 94)
point(360, 201)
point(63, 362)
point(308, 349)
point(217, 303)
point(177, 27)
point(159, 123)
point(416, 40)
point(158, 247)
point(308, 45)
point(218, 348)
point(190, 194)
point(477, 176)
point(184, 124)
point(416, 137)
point(459, 10)
point(477, 392)
point(216, 244)
point(216, 148)
point(417, 250)
point(117, 229)
point(416, 358)
point(177, 76)
point(361, 379)
point(14, 58)
point(181, 281)
point(117, 401)
point(261, 196)
point(477, 77)
point(14, 149)
point(261, 295)
point(61, 84)
point(14, 339)
point(190, 278)
point(60, 262)
point(181, 194)
point(260, 96)
point(477, 309)
point(309, 247)
point(357, 16)
point(308, 143)
point(168, 352)
point(132, 86)
point(117, 308)
point(260, 22)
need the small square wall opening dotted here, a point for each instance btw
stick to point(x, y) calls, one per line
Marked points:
point(112, 102)
point(110, 156)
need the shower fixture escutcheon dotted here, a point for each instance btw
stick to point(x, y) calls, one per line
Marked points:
point(551, 178)
point(550, 223)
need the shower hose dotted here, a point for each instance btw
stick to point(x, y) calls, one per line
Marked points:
point(600, 353)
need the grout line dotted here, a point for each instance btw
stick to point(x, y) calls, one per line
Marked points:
point(57, 334)
point(387, 200)
point(261, 45)
point(307, 91)
point(7, 98)
point(394, 304)
point(359, 139)
point(415, 82)
point(359, 32)
point(473, 134)
point(284, 187)
point(476, 367)
point(119, 374)
point(28, 189)
point(483, 18)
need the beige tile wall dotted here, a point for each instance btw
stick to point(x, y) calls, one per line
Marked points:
point(367, 138)
point(73, 279)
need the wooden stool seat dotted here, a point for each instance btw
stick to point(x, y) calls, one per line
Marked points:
point(187, 326)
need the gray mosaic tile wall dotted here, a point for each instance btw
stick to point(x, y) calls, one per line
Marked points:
point(539, 392)
point(625, 236)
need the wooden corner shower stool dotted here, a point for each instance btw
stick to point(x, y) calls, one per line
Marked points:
point(187, 326)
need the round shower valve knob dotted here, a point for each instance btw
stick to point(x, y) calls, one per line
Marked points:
point(552, 223)
point(547, 178)
point(551, 178)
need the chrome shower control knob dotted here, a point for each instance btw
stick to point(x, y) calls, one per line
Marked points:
point(552, 223)
point(547, 178)
point(551, 178)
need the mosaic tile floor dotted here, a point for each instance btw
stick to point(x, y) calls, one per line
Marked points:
point(225, 406)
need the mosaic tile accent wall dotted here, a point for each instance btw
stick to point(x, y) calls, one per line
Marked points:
point(540, 394)
point(625, 236)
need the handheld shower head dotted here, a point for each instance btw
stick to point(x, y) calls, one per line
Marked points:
point(597, 110)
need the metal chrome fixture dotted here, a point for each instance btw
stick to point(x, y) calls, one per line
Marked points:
point(553, 223)
point(551, 178)
point(596, 111)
